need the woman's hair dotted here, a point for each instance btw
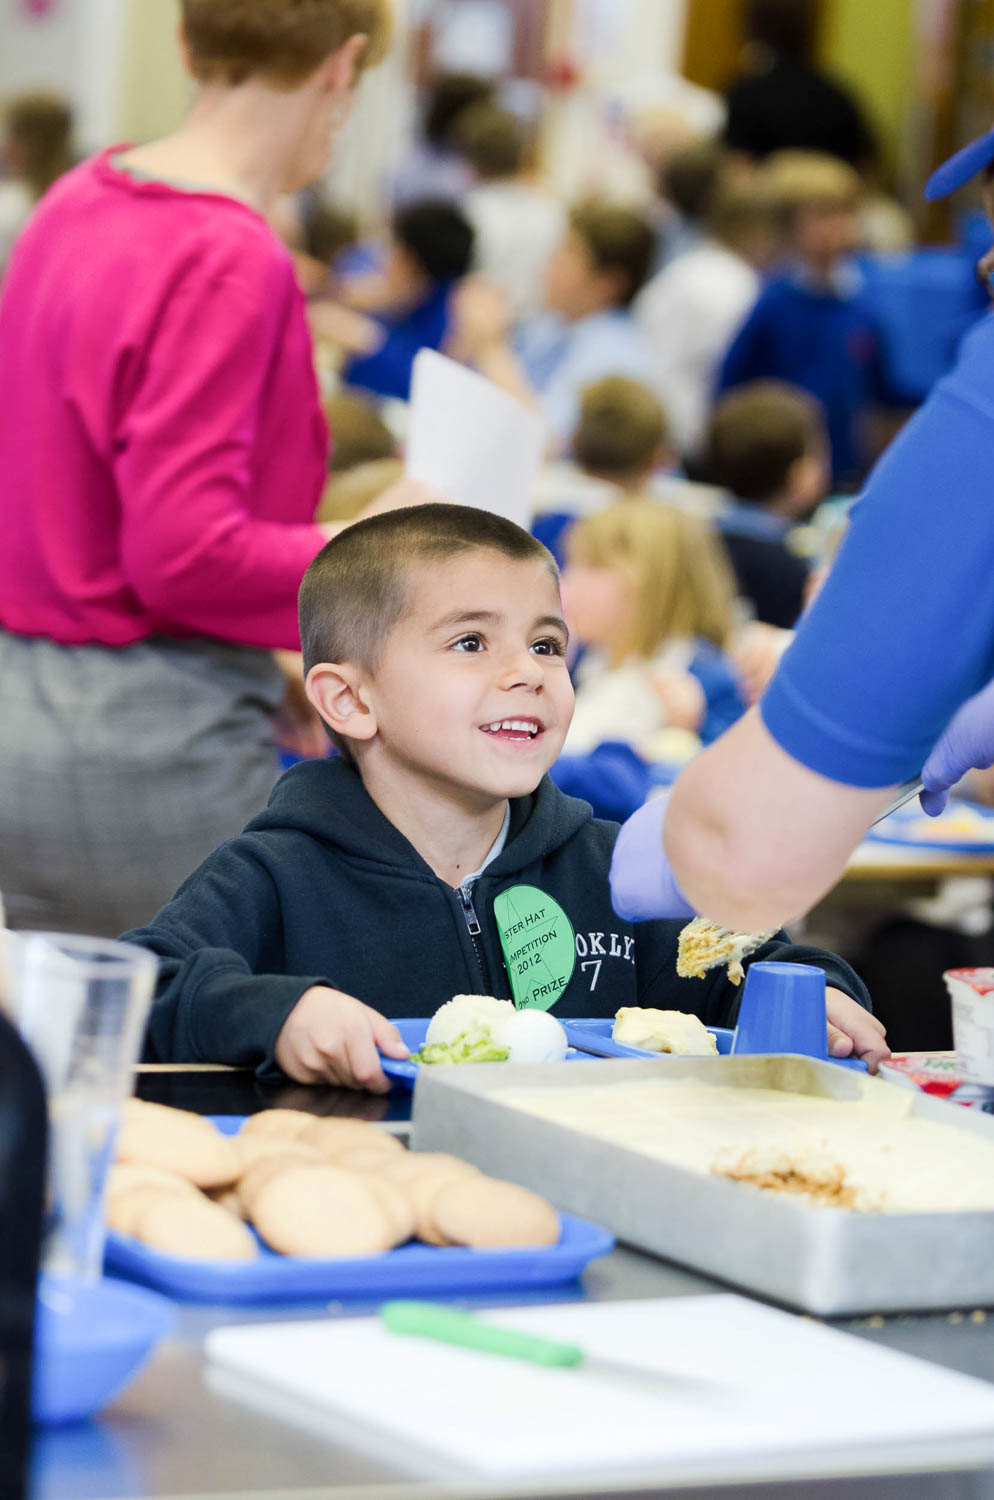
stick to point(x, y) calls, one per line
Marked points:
point(617, 239)
point(679, 583)
point(40, 126)
point(281, 41)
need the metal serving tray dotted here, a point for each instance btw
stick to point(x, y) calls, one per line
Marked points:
point(825, 1260)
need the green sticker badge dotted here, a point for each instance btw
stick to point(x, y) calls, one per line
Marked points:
point(539, 947)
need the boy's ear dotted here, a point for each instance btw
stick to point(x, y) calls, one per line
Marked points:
point(335, 690)
point(340, 73)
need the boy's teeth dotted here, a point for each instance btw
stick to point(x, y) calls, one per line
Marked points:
point(523, 726)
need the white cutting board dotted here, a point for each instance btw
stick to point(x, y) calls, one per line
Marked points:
point(470, 440)
point(779, 1391)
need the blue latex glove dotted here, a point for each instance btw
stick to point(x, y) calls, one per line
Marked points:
point(642, 883)
point(966, 744)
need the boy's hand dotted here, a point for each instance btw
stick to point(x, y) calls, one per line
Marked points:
point(330, 1037)
point(853, 1032)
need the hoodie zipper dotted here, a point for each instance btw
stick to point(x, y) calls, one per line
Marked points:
point(473, 925)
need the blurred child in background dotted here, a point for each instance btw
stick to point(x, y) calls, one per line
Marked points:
point(431, 248)
point(812, 325)
point(691, 309)
point(766, 446)
point(432, 167)
point(587, 330)
point(517, 222)
point(36, 149)
point(650, 597)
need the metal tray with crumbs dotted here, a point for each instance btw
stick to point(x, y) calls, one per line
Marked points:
point(825, 1260)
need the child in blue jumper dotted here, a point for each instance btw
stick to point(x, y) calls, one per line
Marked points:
point(812, 324)
point(385, 880)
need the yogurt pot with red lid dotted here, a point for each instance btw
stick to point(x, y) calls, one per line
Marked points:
point(972, 994)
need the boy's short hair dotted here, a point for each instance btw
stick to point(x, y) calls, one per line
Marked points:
point(491, 139)
point(281, 41)
point(621, 429)
point(797, 180)
point(738, 209)
point(689, 178)
point(437, 235)
point(756, 433)
point(617, 239)
point(356, 589)
point(359, 434)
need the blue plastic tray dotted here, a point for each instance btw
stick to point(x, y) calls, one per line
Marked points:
point(599, 1031)
point(410, 1270)
point(596, 1030)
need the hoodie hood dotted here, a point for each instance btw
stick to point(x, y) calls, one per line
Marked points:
point(326, 799)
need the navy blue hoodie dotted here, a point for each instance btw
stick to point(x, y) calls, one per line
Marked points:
point(322, 889)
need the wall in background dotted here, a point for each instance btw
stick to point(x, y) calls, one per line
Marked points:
point(871, 46)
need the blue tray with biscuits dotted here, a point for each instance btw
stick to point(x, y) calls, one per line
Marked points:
point(410, 1270)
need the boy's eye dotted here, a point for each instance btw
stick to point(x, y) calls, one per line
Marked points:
point(549, 646)
point(469, 643)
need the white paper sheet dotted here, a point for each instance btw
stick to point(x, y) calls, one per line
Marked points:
point(471, 441)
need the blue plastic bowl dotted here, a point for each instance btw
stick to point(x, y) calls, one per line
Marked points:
point(91, 1339)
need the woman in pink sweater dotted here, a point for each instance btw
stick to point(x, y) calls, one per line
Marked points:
point(162, 452)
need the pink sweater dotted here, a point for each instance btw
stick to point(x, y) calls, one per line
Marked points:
point(162, 447)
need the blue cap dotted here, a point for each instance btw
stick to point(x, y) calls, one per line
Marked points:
point(958, 169)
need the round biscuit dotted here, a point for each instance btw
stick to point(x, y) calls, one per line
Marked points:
point(411, 1164)
point(256, 1148)
point(484, 1213)
point(423, 1190)
point(370, 1157)
point(124, 1175)
point(321, 1211)
point(281, 1123)
point(395, 1203)
point(180, 1142)
point(198, 1229)
point(271, 1166)
point(126, 1207)
point(333, 1134)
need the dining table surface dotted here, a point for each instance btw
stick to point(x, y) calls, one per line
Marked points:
point(177, 1432)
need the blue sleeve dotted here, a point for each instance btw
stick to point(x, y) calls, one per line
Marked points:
point(723, 700)
point(745, 359)
point(388, 371)
point(903, 631)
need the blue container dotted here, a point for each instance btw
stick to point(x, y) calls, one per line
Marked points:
point(91, 1339)
point(782, 1010)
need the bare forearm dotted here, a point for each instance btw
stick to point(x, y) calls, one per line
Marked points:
point(753, 837)
point(499, 363)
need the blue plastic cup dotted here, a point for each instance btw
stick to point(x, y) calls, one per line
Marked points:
point(782, 1010)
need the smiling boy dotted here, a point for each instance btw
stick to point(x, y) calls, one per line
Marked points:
point(434, 855)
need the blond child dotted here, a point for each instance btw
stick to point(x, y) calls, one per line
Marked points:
point(650, 597)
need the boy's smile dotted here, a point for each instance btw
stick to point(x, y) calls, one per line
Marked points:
point(472, 693)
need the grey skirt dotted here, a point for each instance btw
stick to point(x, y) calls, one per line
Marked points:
point(121, 769)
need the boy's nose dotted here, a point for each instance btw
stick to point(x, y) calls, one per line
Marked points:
point(522, 670)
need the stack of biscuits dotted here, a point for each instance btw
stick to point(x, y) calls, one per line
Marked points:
point(309, 1186)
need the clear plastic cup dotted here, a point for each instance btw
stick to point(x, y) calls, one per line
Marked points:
point(782, 1010)
point(81, 1004)
point(972, 994)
